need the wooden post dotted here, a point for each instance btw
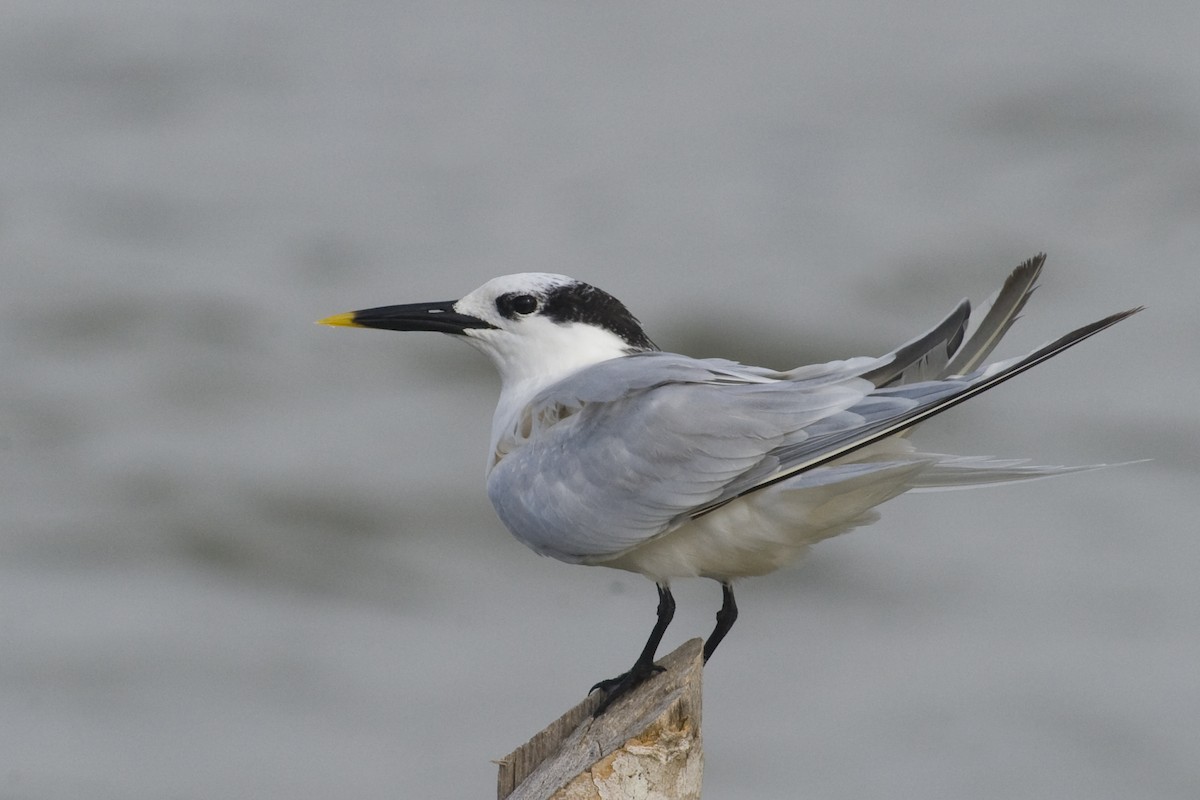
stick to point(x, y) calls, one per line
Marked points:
point(647, 745)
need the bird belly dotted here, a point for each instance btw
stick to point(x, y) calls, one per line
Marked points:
point(763, 531)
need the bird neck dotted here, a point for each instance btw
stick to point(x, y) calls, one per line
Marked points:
point(512, 423)
point(532, 364)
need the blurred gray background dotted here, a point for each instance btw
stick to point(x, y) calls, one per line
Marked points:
point(245, 556)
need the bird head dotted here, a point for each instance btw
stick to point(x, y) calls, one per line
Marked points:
point(535, 327)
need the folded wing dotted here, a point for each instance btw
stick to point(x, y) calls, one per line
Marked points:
point(624, 450)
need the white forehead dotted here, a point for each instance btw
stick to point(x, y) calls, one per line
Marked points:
point(536, 282)
point(481, 303)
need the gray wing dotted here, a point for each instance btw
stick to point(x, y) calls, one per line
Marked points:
point(889, 411)
point(624, 450)
point(995, 316)
point(958, 344)
point(927, 355)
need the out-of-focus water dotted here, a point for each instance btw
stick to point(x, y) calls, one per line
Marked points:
point(243, 556)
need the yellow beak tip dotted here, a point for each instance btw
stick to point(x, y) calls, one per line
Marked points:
point(341, 320)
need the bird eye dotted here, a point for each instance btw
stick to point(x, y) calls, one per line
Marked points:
point(524, 304)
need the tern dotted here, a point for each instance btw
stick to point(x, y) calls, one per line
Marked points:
point(607, 451)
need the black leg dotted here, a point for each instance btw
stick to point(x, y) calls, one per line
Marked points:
point(725, 619)
point(644, 667)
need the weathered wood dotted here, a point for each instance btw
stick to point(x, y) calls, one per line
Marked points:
point(647, 745)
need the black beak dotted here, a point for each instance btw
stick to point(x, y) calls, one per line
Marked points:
point(439, 317)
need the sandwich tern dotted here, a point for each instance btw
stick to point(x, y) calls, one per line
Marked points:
point(607, 451)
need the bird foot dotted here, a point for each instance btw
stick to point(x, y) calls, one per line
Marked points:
point(618, 687)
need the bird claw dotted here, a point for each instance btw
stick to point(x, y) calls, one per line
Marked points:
point(618, 687)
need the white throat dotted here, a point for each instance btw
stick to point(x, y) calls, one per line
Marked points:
point(544, 354)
